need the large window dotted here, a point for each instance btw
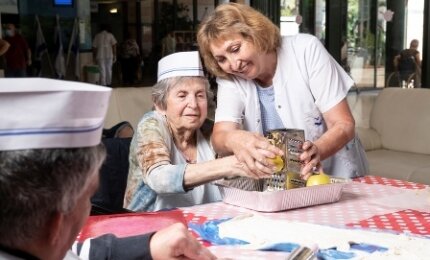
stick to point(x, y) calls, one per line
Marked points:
point(371, 33)
point(290, 17)
point(370, 64)
point(362, 47)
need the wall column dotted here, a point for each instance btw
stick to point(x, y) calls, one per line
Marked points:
point(425, 66)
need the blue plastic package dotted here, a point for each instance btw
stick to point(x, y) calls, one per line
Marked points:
point(333, 254)
point(209, 232)
point(367, 247)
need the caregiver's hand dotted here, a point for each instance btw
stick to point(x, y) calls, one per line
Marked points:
point(311, 160)
point(254, 150)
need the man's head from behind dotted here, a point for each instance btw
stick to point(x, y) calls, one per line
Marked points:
point(50, 154)
point(46, 196)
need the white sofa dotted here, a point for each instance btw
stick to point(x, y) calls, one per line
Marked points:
point(394, 127)
point(393, 124)
point(128, 104)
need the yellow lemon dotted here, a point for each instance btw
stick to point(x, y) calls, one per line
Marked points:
point(318, 179)
point(278, 162)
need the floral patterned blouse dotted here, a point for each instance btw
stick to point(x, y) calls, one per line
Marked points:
point(157, 167)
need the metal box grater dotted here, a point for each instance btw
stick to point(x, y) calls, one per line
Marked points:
point(290, 141)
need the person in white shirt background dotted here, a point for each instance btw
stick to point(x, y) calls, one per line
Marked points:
point(104, 53)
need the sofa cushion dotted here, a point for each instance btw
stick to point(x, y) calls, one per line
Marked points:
point(399, 165)
point(369, 138)
point(361, 105)
point(421, 175)
point(402, 119)
point(128, 104)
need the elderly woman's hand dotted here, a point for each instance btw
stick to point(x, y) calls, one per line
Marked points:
point(311, 160)
point(253, 150)
point(235, 168)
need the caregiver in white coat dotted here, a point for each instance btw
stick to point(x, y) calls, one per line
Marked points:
point(267, 82)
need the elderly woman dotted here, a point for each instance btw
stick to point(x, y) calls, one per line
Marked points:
point(171, 159)
point(267, 82)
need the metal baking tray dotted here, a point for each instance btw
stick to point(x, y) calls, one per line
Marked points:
point(272, 201)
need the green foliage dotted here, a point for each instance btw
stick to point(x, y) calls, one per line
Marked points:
point(359, 36)
point(288, 8)
point(352, 18)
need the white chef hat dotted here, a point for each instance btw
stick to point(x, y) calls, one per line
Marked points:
point(46, 113)
point(180, 64)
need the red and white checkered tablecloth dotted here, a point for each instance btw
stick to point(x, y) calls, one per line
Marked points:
point(391, 182)
point(355, 209)
point(407, 220)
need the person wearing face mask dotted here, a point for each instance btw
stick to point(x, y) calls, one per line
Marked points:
point(18, 56)
point(268, 82)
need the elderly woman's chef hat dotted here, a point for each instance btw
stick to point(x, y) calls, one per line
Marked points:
point(180, 64)
point(45, 113)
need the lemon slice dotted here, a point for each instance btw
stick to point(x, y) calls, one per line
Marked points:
point(318, 179)
point(278, 162)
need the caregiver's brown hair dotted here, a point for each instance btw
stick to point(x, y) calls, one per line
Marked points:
point(233, 18)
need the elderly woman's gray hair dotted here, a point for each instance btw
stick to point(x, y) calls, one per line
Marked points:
point(161, 90)
point(34, 184)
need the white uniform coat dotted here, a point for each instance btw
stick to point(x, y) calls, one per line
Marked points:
point(307, 83)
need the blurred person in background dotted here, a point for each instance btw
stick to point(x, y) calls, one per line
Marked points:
point(18, 56)
point(130, 59)
point(104, 53)
point(168, 44)
point(408, 62)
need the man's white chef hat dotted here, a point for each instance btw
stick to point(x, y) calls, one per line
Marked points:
point(45, 113)
point(180, 64)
